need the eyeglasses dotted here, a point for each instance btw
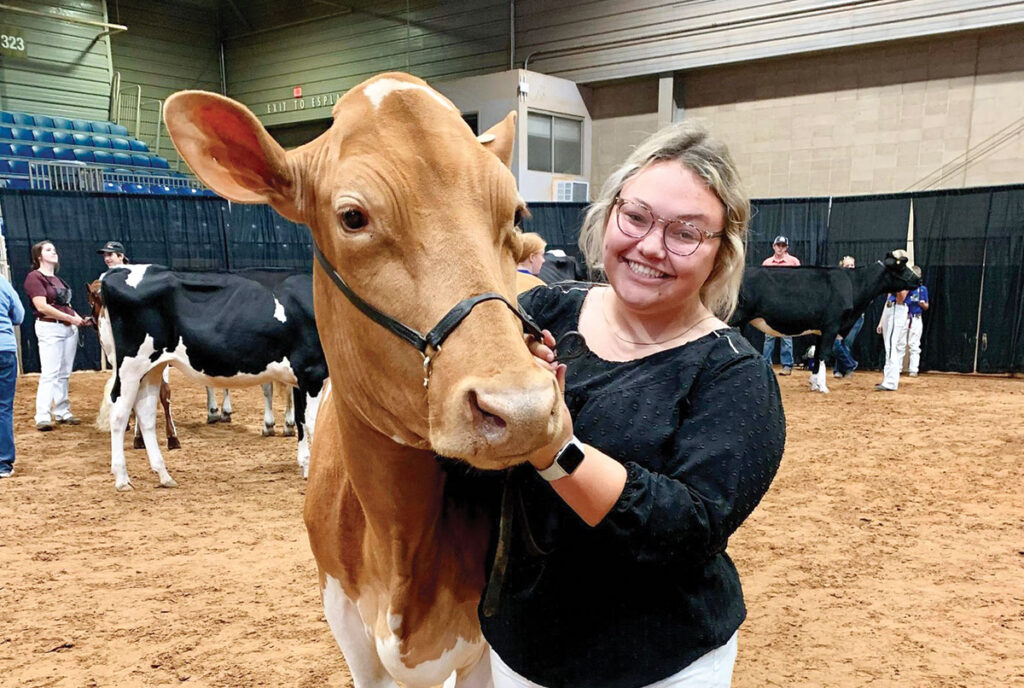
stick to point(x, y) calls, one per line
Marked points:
point(636, 220)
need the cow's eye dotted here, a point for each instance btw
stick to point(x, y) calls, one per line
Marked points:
point(353, 219)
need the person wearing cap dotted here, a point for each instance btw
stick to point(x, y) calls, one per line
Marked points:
point(113, 254)
point(917, 304)
point(780, 258)
point(841, 348)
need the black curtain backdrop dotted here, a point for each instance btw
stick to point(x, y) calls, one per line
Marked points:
point(182, 233)
point(956, 233)
point(949, 245)
point(867, 227)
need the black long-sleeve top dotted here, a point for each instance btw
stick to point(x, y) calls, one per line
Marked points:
point(700, 430)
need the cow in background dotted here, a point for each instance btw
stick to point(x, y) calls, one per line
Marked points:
point(221, 412)
point(218, 329)
point(824, 301)
point(413, 218)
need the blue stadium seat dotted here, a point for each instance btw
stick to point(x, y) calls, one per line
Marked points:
point(43, 121)
point(101, 127)
point(19, 134)
point(118, 143)
point(122, 159)
point(208, 192)
point(84, 155)
point(159, 163)
point(62, 123)
point(81, 125)
point(22, 150)
point(100, 141)
point(5, 149)
point(4, 167)
point(43, 152)
point(6, 118)
point(134, 188)
point(23, 120)
point(183, 190)
point(5, 133)
point(18, 166)
point(18, 183)
point(118, 130)
point(138, 146)
point(160, 190)
point(61, 153)
point(63, 138)
point(122, 170)
point(111, 187)
point(160, 173)
point(42, 136)
point(140, 159)
point(103, 157)
point(82, 140)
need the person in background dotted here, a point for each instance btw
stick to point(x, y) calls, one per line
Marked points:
point(529, 268)
point(113, 254)
point(842, 347)
point(893, 327)
point(917, 304)
point(11, 314)
point(679, 430)
point(57, 326)
point(780, 258)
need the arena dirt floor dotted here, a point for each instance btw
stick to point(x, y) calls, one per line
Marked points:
point(889, 552)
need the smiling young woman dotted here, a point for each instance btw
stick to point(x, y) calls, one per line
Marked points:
point(618, 574)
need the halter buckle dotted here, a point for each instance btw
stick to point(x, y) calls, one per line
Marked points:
point(427, 359)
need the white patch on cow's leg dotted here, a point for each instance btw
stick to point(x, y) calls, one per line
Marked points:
point(433, 671)
point(145, 418)
point(289, 415)
point(354, 638)
point(225, 407)
point(268, 408)
point(212, 408)
point(380, 89)
point(308, 427)
point(818, 379)
point(477, 675)
point(279, 311)
point(120, 410)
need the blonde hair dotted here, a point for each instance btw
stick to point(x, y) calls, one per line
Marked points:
point(532, 243)
point(689, 144)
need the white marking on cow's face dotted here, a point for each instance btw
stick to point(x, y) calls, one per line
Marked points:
point(279, 310)
point(382, 88)
point(135, 274)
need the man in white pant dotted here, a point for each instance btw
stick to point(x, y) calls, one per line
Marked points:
point(917, 304)
point(893, 327)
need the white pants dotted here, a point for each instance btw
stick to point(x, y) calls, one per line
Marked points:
point(713, 670)
point(57, 346)
point(914, 343)
point(894, 332)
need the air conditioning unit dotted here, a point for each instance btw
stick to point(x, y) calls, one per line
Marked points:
point(572, 191)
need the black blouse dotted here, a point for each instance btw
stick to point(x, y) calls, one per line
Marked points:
point(700, 430)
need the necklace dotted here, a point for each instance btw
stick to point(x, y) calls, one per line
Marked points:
point(618, 336)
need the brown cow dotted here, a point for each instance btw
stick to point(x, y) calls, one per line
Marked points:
point(411, 215)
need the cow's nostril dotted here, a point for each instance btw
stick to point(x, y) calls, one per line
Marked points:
point(485, 420)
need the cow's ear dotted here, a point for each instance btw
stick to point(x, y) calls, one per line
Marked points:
point(501, 138)
point(230, 151)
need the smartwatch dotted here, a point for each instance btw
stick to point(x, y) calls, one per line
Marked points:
point(567, 460)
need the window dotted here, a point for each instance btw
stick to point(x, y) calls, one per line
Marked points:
point(554, 144)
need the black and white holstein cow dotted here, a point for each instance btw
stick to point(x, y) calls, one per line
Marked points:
point(220, 330)
point(793, 301)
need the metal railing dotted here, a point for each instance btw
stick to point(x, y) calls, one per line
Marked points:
point(51, 175)
point(126, 109)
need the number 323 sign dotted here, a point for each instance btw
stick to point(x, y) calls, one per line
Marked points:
point(11, 42)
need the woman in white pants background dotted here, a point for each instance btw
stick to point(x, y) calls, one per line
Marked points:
point(57, 333)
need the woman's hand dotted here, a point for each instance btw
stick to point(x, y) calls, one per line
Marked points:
point(544, 354)
point(76, 320)
point(878, 329)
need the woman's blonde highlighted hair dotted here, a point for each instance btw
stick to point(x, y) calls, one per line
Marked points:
point(689, 144)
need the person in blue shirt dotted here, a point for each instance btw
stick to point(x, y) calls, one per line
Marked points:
point(12, 312)
point(917, 304)
point(845, 363)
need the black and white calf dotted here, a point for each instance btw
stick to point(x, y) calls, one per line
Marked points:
point(220, 330)
point(792, 301)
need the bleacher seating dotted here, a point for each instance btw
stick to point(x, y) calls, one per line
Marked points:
point(38, 150)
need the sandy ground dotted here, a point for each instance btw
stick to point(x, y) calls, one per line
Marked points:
point(889, 552)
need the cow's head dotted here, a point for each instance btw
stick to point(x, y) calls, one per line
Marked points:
point(92, 291)
point(416, 214)
point(898, 273)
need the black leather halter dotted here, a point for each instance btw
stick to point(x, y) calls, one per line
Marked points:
point(428, 345)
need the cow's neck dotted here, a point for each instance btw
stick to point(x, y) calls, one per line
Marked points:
point(867, 285)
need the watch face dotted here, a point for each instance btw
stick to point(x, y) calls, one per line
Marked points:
point(570, 458)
